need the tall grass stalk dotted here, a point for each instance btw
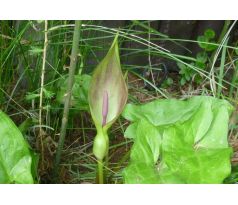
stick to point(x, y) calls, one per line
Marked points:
point(41, 91)
point(222, 66)
point(234, 78)
point(217, 52)
point(73, 62)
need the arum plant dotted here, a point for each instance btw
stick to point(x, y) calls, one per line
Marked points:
point(107, 98)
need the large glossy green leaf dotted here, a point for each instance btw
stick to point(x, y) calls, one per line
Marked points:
point(148, 143)
point(188, 145)
point(145, 155)
point(194, 164)
point(161, 112)
point(15, 157)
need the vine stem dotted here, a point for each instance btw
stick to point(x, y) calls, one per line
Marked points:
point(41, 92)
point(73, 62)
point(100, 172)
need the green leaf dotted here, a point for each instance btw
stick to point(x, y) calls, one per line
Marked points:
point(211, 47)
point(131, 131)
point(179, 141)
point(80, 89)
point(187, 76)
point(201, 65)
point(197, 79)
point(48, 94)
point(31, 96)
point(161, 112)
point(202, 41)
point(141, 173)
point(149, 135)
point(216, 136)
point(194, 164)
point(181, 66)
point(15, 157)
point(34, 165)
point(144, 155)
point(233, 177)
point(202, 57)
point(24, 126)
point(182, 81)
point(236, 51)
point(209, 33)
point(35, 50)
point(169, 81)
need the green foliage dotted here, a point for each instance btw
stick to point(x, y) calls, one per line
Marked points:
point(79, 98)
point(179, 141)
point(234, 81)
point(236, 51)
point(204, 40)
point(187, 73)
point(201, 59)
point(35, 50)
point(209, 33)
point(233, 177)
point(21, 49)
point(167, 83)
point(24, 126)
point(47, 95)
point(15, 155)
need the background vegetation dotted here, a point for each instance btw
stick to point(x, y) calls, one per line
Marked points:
point(160, 59)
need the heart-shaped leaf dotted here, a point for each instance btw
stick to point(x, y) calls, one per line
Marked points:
point(15, 156)
point(179, 141)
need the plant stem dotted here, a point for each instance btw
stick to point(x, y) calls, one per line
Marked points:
point(223, 33)
point(73, 62)
point(222, 67)
point(234, 78)
point(224, 30)
point(223, 37)
point(100, 172)
point(41, 92)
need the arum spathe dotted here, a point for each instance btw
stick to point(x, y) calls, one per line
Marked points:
point(107, 97)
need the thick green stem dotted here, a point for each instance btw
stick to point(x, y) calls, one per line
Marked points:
point(100, 172)
point(106, 162)
point(100, 150)
point(73, 62)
